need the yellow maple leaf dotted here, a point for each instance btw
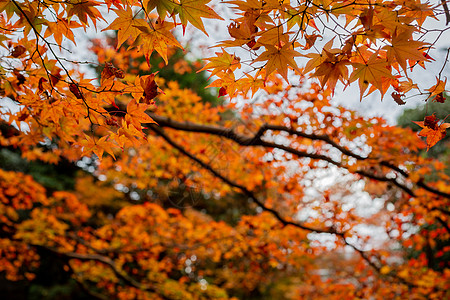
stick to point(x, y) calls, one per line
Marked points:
point(193, 11)
point(163, 7)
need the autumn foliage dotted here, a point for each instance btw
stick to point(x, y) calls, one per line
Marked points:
point(257, 187)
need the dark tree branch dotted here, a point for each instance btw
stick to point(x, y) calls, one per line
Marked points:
point(443, 223)
point(257, 141)
point(105, 260)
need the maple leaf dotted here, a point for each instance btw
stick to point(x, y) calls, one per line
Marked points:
point(126, 24)
point(404, 49)
point(319, 58)
point(98, 147)
point(247, 5)
point(9, 8)
point(372, 72)
point(193, 11)
point(405, 86)
point(366, 18)
point(150, 87)
point(440, 98)
point(157, 37)
point(75, 90)
point(222, 92)
point(108, 72)
point(84, 8)
point(42, 86)
point(136, 114)
point(63, 27)
point(299, 16)
point(163, 7)
point(389, 19)
point(227, 81)
point(116, 3)
point(31, 14)
point(279, 59)
point(431, 122)
point(438, 88)
point(310, 40)
point(332, 69)
point(433, 135)
point(274, 36)
point(221, 63)
point(128, 134)
point(239, 32)
point(420, 11)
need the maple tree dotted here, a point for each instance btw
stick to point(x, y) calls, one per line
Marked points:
point(186, 196)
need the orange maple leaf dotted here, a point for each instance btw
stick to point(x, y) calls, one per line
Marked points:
point(126, 24)
point(136, 114)
point(438, 88)
point(156, 36)
point(98, 147)
point(373, 72)
point(279, 59)
point(404, 49)
point(433, 135)
point(82, 9)
point(317, 59)
point(405, 86)
point(332, 69)
point(61, 28)
point(221, 63)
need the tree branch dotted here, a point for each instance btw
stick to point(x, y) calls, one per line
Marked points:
point(105, 260)
point(257, 141)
